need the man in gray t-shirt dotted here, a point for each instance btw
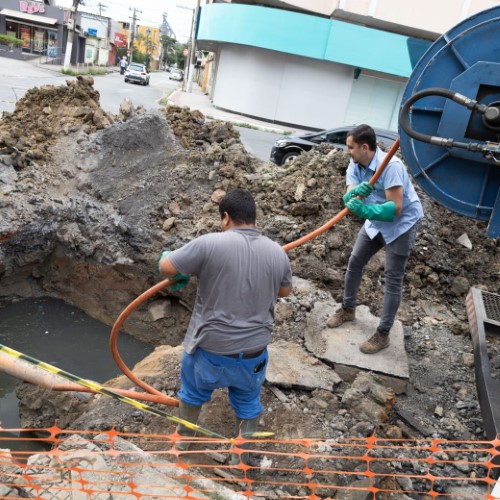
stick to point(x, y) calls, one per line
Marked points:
point(241, 273)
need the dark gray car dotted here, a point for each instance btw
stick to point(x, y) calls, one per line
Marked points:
point(288, 148)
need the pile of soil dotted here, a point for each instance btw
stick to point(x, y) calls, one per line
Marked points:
point(44, 114)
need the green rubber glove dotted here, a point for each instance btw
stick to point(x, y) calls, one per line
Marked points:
point(364, 189)
point(384, 212)
point(181, 280)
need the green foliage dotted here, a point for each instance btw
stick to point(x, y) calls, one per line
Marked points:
point(89, 71)
point(10, 40)
point(173, 52)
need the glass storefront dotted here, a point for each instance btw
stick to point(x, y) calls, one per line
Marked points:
point(36, 39)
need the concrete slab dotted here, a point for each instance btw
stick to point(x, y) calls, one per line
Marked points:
point(291, 366)
point(340, 346)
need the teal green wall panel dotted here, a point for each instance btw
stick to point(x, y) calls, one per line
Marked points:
point(310, 36)
point(266, 28)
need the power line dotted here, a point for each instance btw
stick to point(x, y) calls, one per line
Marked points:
point(101, 7)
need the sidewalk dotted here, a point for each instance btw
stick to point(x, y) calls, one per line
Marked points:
point(197, 100)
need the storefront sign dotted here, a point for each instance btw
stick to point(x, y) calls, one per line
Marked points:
point(120, 40)
point(92, 32)
point(32, 7)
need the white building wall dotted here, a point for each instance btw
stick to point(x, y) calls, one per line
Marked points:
point(430, 15)
point(433, 16)
point(99, 25)
point(282, 88)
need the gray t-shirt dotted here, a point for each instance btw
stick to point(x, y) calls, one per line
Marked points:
point(239, 275)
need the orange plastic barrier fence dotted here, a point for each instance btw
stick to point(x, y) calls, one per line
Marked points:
point(112, 465)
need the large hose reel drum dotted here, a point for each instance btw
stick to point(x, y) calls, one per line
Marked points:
point(450, 120)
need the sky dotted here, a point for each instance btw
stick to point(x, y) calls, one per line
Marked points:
point(178, 17)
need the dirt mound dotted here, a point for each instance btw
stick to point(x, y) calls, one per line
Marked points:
point(195, 132)
point(44, 114)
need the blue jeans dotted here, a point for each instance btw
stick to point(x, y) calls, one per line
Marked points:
point(397, 254)
point(202, 372)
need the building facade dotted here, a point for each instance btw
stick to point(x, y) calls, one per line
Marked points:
point(321, 63)
point(101, 38)
point(147, 41)
point(39, 26)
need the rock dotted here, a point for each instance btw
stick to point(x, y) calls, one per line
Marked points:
point(99, 463)
point(169, 224)
point(217, 195)
point(367, 399)
point(126, 109)
point(291, 366)
point(159, 309)
point(459, 286)
point(468, 359)
point(439, 411)
point(465, 241)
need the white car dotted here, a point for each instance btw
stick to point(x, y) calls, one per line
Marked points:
point(176, 74)
point(137, 73)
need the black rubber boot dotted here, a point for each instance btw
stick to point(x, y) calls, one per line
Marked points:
point(245, 428)
point(191, 414)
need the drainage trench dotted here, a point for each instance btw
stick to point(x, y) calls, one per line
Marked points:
point(62, 335)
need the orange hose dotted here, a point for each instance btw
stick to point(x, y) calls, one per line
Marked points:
point(152, 398)
point(344, 211)
point(148, 293)
point(114, 336)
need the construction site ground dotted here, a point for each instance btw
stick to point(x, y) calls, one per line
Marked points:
point(89, 201)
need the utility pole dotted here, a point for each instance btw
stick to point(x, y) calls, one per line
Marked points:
point(132, 32)
point(193, 47)
point(192, 55)
point(71, 34)
point(101, 7)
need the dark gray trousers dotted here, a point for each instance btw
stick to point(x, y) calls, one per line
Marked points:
point(397, 254)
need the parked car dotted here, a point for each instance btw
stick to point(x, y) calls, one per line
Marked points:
point(137, 73)
point(176, 74)
point(288, 148)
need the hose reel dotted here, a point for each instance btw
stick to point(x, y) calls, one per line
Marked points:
point(450, 120)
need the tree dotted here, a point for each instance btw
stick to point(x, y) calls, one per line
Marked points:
point(173, 52)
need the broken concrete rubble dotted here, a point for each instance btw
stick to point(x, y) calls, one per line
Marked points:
point(124, 470)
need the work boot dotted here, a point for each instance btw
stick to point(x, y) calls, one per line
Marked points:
point(191, 414)
point(375, 343)
point(341, 316)
point(245, 428)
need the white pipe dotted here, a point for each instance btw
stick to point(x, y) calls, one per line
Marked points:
point(29, 373)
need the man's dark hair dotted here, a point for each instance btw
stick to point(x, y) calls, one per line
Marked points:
point(240, 206)
point(364, 134)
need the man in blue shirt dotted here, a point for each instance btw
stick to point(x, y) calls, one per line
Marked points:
point(392, 211)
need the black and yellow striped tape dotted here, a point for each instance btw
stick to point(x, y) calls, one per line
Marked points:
point(102, 390)
point(133, 402)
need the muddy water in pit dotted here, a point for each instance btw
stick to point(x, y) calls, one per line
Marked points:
point(63, 336)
